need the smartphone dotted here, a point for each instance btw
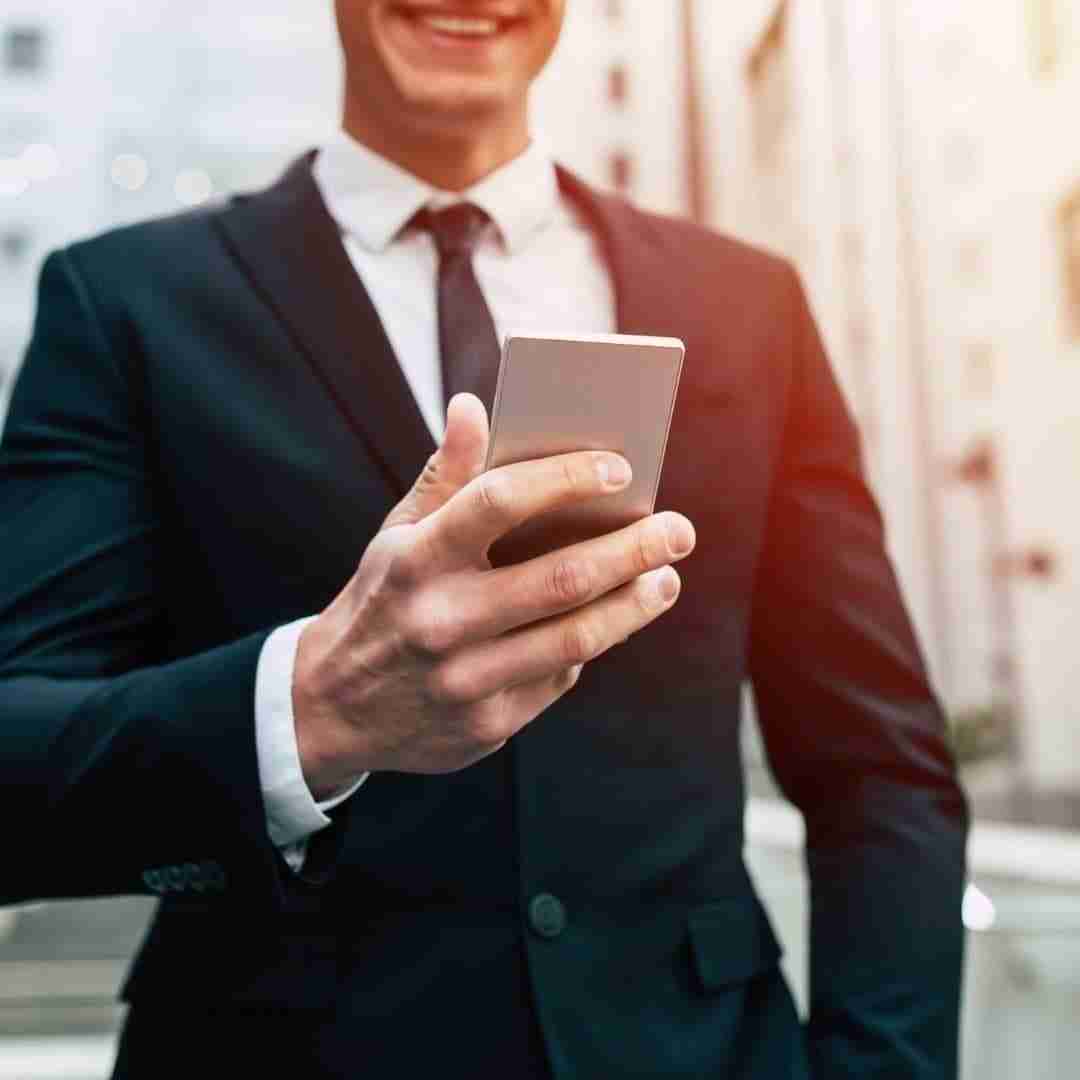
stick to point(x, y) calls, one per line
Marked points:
point(557, 394)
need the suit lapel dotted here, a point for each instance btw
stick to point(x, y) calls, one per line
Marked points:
point(660, 290)
point(291, 248)
point(630, 250)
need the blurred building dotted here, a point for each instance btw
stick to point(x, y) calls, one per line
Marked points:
point(122, 109)
point(42, 84)
point(611, 103)
point(919, 163)
point(914, 159)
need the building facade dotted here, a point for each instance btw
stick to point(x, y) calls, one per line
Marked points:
point(123, 109)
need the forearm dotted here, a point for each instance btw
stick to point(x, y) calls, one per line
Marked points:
point(887, 872)
point(858, 742)
point(123, 775)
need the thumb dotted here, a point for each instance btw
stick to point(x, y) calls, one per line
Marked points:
point(459, 458)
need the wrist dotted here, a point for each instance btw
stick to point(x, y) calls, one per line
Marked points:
point(322, 741)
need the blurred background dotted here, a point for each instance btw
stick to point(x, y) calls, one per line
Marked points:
point(918, 159)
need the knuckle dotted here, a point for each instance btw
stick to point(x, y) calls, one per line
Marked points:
point(494, 497)
point(580, 642)
point(405, 569)
point(432, 629)
point(432, 468)
point(570, 677)
point(571, 475)
point(488, 731)
point(571, 581)
point(451, 685)
point(644, 558)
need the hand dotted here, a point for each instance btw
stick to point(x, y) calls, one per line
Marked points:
point(429, 660)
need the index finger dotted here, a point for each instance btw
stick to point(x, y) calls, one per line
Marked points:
point(489, 506)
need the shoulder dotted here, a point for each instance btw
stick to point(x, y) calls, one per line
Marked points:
point(708, 283)
point(128, 273)
point(129, 250)
point(710, 251)
point(684, 261)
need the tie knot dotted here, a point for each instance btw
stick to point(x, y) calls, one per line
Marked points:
point(456, 229)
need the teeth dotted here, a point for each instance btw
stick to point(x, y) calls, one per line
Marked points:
point(453, 24)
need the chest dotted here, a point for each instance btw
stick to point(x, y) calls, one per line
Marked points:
point(558, 282)
point(268, 493)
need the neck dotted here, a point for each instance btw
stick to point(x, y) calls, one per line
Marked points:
point(449, 160)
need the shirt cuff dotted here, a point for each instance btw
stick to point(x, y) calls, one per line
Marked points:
point(292, 814)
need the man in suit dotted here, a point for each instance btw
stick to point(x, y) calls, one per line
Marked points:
point(254, 658)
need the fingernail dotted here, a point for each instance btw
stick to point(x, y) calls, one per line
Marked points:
point(680, 536)
point(614, 471)
point(668, 585)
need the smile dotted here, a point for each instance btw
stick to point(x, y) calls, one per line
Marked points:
point(462, 27)
point(456, 25)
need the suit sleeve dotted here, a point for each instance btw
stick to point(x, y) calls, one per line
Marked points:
point(857, 740)
point(119, 773)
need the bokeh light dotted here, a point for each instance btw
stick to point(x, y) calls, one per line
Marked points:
point(129, 171)
point(193, 186)
point(977, 910)
point(40, 161)
point(13, 178)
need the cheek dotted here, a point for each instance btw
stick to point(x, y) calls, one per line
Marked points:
point(556, 21)
point(543, 42)
point(352, 21)
point(359, 27)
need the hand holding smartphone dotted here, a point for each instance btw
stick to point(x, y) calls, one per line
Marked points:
point(559, 394)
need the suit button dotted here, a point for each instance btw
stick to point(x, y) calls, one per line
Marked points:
point(547, 915)
point(194, 875)
point(213, 875)
point(154, 881)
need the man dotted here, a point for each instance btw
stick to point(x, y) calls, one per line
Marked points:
point(255, 659)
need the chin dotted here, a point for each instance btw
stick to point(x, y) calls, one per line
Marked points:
point(478, 74)
point(452, 103)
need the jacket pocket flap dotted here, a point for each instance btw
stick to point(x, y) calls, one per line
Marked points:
point(731, 941)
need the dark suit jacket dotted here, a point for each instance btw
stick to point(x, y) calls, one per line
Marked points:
point(209, 427)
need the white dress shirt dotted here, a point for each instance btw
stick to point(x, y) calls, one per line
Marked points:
point(539, 268)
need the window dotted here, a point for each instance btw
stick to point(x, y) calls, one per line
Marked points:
point(962, 160)
point(774, 132)
point(622, 170)
point(1045, 22)
point(971, 261)
point(14, 245)
point(771, 92)
point(24, 49)
point(1069, 230)
point(770, 45)
point(618, 85)
point(980, 367)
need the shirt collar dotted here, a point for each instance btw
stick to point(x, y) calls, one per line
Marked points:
point(371, 198)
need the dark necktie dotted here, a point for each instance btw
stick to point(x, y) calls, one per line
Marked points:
point(468, 344)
